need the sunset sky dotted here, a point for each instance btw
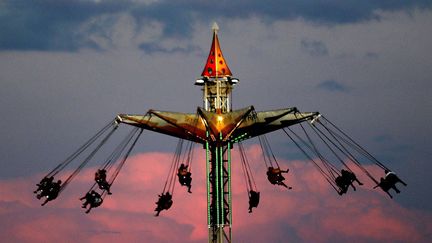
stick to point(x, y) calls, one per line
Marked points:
point(67, 67)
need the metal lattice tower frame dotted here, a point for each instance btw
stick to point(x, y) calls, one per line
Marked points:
point(218, 159)
point(217, 127)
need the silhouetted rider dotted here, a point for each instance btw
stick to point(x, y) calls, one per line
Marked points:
point(389, 182)
point(184, 176)
point(350, 176)
point(392, 178)
point(93, 199)
point(343, 184)
point(164, 203)
point(254, 198)
point(43, 185)
point(345, 180)
point(100, 178)
point(385, 186)
point(52, 192)
point(274, 175)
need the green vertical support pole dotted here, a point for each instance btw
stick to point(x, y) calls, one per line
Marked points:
point(221, 185)
point(220, 194)
point(217, 181)
point(221, 188)
point(229, 189)
point(208, 180)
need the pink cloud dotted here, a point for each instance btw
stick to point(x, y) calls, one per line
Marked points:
point(311, 212)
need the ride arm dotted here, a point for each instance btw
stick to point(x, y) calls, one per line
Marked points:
point(180, 125)
point(259, 123)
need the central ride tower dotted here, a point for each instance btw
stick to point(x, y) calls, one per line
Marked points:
point(217, 84)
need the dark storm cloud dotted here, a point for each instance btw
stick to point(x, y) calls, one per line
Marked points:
point(56, 25)
point(332, 86)
point(49, 25)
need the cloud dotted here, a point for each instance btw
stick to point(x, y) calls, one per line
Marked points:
point(332, 86)
point(311, 212)
point(57, 25)
point(372, 55)
point(314, 48)
point(152, 48)
point(384, 138)
point(49, 25)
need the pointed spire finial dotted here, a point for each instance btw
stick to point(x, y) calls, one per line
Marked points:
point(215, 27)
point(216, 65)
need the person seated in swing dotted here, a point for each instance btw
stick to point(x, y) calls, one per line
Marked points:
point(52, 192)
point(277, 170)
point(43, 185)
point(345, 180)
point(96, 202)
point(254, 198)
point(104, 185)
point(43, 192)
point(184, 176)
point(392, 178)
point(274, 175)
point(385, 186)
point(100, 175)
point(88, 197)
point(350, 176)
point(93, 199)
point(343, 183)
point(100, 178)
point(389, 182)
point(164, 203)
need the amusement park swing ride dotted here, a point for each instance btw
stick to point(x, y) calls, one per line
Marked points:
point(217, 128)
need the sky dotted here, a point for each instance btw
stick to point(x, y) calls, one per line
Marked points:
point(69, 67)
